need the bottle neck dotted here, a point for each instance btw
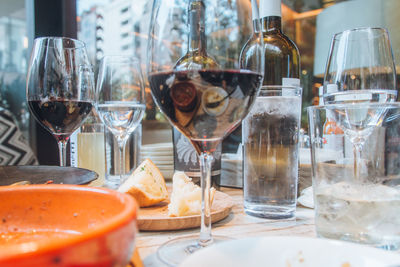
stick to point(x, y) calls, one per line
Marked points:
point(270, 14)
point(197, 37)
point(272, 24)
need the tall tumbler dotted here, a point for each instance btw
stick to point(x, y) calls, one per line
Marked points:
point(270, 136)
point(357, 184)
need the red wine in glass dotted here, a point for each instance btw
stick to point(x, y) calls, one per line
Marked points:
point(205, 104)
point(60, 87)
point(61, 117)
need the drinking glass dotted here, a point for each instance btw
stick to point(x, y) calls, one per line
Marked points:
point(120, 103)
point(205, 67)
point(360, 67)
point(270, 136)
point(358, 200)
point(60, 87)
point(90, 148)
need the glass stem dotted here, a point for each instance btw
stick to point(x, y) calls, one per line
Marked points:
point(357, 148)
point(205, 181)
point(121, 146)
point(62, 150)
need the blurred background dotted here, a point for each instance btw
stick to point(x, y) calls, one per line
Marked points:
point(121, 26)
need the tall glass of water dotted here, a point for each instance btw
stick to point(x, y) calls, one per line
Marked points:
point(360, 67)
point(120, 102)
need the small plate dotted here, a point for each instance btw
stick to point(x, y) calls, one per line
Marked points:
point(281, 251)
point(157, 147)
point(158, 153)
point(156, 218)
point(156, 160)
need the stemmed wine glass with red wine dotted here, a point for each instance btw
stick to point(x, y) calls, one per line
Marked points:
point(205, 67)
point(60, 87)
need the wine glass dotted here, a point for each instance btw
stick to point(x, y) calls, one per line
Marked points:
point(60, 87)
point(120, 103)
point(360, 67)
point(205, 67)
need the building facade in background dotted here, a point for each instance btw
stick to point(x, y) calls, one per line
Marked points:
point(91, 31)
point(113, 28)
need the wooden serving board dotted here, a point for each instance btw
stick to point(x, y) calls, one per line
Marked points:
point(156, 218)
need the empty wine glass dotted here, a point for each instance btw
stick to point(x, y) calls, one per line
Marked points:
point(120, 103)
point(205, 68)
point(360, 67)
point(60, 87)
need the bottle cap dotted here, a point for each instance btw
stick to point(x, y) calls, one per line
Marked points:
point(269, 8)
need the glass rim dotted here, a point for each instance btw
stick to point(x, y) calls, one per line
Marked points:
point(279, 87)
point(355, 105)
point(337, 35)
point(81, 44)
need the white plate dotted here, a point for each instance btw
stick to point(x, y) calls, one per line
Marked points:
point(280, 251)
point(169, 144)
point(157, 147)
point(161, 162)
point(158, 153)
point(145, 155)
point(166, 167)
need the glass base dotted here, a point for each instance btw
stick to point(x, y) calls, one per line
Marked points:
point(177, 250)
point(114, 181)
point(270, 211)
point(386, 243)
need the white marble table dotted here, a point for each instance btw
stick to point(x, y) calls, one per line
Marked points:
point(236, 225)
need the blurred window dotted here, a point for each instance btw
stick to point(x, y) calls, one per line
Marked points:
point(14, 60)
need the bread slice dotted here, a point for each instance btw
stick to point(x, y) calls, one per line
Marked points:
point(186, 196)
point(146, 184)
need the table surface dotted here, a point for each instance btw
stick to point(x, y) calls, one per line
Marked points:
point(236, 225)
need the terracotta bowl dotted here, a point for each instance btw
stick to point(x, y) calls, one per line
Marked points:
point(65, 225)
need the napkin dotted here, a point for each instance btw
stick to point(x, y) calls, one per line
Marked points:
point(306, 198)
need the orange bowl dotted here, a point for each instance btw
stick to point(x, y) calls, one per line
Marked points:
point(66, 225)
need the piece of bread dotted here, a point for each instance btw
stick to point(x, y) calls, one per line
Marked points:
point(186, 196)
point(146, 184)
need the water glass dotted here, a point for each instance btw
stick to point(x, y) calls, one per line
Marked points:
point(90, 152)
point(270, 153)
point(356, 182)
